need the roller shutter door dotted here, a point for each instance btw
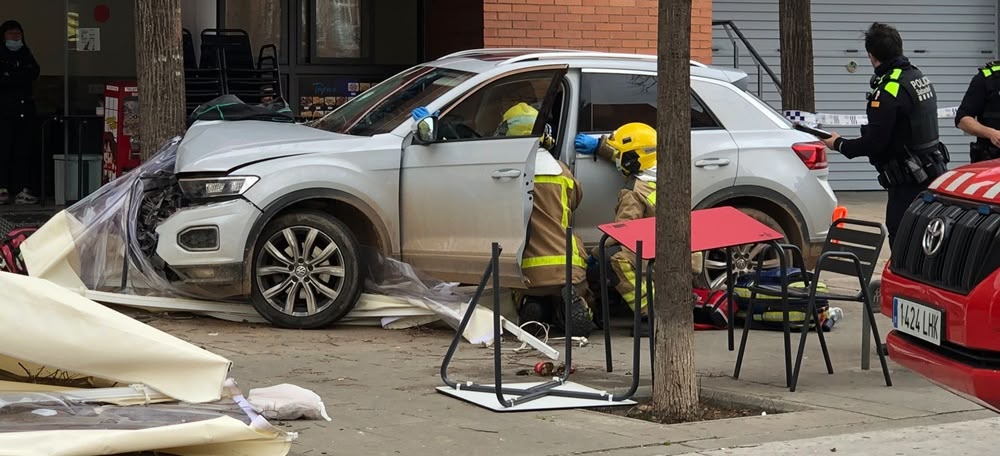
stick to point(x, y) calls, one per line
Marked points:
point(946, 40)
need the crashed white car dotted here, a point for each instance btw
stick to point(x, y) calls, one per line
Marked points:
point(283, 213)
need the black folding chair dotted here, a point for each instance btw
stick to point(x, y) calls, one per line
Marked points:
point(852, 248)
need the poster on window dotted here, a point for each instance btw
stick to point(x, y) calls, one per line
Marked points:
point(88, 39)
point(321, 95)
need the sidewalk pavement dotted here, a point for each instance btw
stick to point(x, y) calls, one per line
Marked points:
point(378, 386)
point(976, 437)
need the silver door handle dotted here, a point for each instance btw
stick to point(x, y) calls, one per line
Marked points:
point(506, 173)
point(712, 162)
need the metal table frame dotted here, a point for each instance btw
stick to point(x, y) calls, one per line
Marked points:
point(544, 389)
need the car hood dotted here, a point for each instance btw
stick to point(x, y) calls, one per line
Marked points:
point(222, 146)
point(978, 181)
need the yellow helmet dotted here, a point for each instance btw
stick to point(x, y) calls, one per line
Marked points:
point(519, 120)
point(635, 147)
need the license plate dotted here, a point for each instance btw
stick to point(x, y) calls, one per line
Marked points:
point(920, 321)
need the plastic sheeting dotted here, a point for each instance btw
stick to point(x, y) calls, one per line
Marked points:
point(84, 248)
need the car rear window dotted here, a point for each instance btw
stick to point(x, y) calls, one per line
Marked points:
point(610, 100)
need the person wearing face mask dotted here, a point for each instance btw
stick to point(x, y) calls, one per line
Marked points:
point(18, 71)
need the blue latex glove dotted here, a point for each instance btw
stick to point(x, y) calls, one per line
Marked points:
point(585, 145)
point(420, 113)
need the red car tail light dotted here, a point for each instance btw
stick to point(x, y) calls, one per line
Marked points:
point(812, 154)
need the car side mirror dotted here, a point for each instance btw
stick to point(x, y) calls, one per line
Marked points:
point(425, 129)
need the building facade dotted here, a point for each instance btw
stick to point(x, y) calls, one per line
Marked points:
point(331, 50)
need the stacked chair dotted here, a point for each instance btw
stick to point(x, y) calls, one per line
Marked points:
point(227, 66)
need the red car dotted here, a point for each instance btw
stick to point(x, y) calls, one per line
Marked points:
point(942, 285)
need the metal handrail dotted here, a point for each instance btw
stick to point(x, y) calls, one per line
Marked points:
point(729, 25)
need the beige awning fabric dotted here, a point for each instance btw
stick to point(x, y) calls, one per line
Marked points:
point(54, 341)
point(44, 324)
point(223, 436)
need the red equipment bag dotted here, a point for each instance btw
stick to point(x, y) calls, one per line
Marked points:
point(10, 251)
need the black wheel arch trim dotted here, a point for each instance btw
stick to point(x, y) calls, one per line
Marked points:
point(753, 191)
point(271, 210)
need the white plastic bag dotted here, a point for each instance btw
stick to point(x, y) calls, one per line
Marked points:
point(287, 402)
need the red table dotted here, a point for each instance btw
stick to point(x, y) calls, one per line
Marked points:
point(711, 229)
point(716, 228)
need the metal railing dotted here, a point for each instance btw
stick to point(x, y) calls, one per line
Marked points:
point(730, 28)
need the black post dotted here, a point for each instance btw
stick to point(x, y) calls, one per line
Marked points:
point(79, 159)
point(497, 360)
point(568, 303)
point(729, 295)
point(605, 311)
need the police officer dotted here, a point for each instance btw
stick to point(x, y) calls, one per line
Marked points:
point(901, 138)
point(979, 113)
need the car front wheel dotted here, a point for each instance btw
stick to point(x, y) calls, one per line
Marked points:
point(305, 271)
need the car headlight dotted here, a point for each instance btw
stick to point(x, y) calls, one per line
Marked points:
point(216, 187)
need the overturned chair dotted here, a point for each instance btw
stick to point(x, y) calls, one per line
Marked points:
point(852, 248)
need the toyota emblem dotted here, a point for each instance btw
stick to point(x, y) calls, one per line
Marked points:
point(933, 236)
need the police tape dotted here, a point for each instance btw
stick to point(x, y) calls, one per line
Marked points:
point(822, 119)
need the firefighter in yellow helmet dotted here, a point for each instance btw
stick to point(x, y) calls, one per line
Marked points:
point(557, 194)
point(632, 148)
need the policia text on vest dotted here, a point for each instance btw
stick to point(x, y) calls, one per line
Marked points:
point(979, 113)
point(905, 126)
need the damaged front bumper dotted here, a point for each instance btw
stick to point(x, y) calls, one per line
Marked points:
point(216, 257)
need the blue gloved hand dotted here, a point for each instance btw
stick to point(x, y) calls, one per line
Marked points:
point(420, 113)
point(585, 145)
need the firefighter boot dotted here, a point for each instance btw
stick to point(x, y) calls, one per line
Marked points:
point(581, 320)
point(534, 308)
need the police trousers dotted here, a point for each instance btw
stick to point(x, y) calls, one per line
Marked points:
point(900, 197)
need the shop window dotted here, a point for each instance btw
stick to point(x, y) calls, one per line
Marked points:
point(335, 30)
point(262, 20)
point(610, 100)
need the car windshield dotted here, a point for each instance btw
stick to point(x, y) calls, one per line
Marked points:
point(383, 107)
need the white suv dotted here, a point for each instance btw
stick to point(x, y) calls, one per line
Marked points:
point(279, 212)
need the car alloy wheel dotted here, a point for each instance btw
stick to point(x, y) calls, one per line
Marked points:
point(301, 271)
point(306, 272)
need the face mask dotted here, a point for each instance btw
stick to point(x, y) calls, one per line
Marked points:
point(15, 45)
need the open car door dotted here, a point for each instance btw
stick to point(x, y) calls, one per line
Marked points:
point(471, 184)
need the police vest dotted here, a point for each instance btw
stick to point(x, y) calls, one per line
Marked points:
point(991, 111)
point(923, 122)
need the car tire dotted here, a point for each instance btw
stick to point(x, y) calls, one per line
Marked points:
point(713, 277)
point(313, 284)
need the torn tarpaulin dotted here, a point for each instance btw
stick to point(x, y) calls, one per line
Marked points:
point(84, 248)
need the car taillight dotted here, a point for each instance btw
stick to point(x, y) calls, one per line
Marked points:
point(813, 154)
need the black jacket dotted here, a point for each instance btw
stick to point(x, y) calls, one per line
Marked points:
point(18, 71)
point(902, 111)
point(981, 100)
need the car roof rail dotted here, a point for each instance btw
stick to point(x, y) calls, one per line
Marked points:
point(541, 54)
point(468, 52)
point(587, 55)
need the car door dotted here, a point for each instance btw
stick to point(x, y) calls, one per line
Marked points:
point(607, 99)
point(473, 186)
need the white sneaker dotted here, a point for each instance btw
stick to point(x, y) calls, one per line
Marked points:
point(25, 197)
point(4, 196)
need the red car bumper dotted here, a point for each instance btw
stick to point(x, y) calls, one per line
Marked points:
point(978, 385)
point(968, 361)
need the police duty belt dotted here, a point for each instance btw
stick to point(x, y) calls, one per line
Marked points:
point(822, 119)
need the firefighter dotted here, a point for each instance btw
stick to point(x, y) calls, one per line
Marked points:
point(979, 113)
point(901, 138)
point(556, 195)
point(632, 147)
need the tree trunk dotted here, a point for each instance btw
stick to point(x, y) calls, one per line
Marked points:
point(675, 390)
point(795, 23)
point(160, 65)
